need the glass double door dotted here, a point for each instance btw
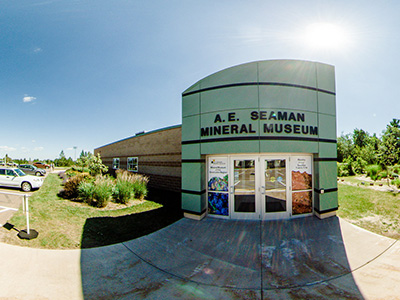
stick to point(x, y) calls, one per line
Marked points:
point(260, 187)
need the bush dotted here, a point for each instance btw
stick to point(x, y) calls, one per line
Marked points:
point(396, 169)
point(86, 191)
point(343, 169)
point(140, 190)
point(136, 182)
point(71, 185)
point(358, 166)
point(123, 191)
point(383, 174)
point(103, 190)
point(396, 182)
point(373, 171)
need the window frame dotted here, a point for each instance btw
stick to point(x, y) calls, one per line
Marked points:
point(116, 163)
point(128, 165)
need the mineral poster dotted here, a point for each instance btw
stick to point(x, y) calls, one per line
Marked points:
point(301, 202)
point(301, 181)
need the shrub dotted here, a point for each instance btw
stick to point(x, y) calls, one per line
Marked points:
point(383, 174)
point(140, 190)
point(136, 182)
point(123, 191)
point(103, 189)
point(71, 185)
point(343, 169)
point(396, 182)
point(396, 169)
point(86, 191)
point(373, 171)
point(358, 166)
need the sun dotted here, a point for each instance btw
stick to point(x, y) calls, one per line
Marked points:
point(326, 36)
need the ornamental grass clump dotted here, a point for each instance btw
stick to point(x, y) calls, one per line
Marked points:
point(103, 190)
point(86, 191)
point(130, 185)
point(123, 191)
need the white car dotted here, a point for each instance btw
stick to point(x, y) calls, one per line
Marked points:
point(14, 177)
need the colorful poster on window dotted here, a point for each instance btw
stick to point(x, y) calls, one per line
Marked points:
point(218, 174)
point(301, 169)
point(218, 204)
point(218, 197)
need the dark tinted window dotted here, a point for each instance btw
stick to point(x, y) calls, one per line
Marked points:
point(2, 172)
point(10, 172)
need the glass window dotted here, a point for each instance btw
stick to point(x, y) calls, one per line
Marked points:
point(2, 172)
point(10, 173)
point(115, 164)
point(133, 164)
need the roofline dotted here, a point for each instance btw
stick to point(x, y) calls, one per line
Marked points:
point(141, 134)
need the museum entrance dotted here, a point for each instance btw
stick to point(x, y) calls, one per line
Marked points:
point(260, 186)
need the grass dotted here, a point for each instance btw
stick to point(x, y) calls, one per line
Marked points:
point(370, 209)
point(63, 224)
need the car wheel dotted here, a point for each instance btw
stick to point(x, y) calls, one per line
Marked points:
point(26, 186)
point(38, 173)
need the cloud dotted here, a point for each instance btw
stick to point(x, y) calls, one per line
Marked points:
point(37, 50)
point(6, 148)
point(27, 99)
point(38, 149)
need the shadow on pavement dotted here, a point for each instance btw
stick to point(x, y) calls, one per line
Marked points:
point(102, 231)
point(221, 259)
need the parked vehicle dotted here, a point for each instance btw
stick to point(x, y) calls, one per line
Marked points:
point(41, 165)
point(14, 177)
point(31, 169)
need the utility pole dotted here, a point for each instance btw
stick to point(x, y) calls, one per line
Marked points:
point(75, 152)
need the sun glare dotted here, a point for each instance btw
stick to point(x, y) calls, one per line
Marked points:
point(326, 36)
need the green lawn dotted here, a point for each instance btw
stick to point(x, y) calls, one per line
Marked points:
point(64, 224)
point(373, 210)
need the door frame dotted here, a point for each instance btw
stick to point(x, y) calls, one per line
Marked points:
point(259, 159)
point(243, 215)
point(282, 214)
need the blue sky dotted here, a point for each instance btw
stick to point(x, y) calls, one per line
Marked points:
point(87, 73)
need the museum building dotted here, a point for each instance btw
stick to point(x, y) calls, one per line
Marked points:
point(257, 141)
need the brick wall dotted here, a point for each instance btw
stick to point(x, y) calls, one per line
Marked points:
point(158, 152)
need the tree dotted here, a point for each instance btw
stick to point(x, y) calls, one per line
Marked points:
point(345, 147)
point(389, 150)
point(360, 138)
point(95, 165)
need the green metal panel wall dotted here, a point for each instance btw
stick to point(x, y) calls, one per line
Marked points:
point(277, 106)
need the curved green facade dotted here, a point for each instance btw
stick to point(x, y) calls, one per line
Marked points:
point(266, 108)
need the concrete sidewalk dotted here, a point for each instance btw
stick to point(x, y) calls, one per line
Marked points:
point(303, 258)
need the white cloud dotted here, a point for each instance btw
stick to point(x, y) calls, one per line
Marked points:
point(33, 141)
point(27, 99)
point(38, 149)
point(37, 50)
point(6, 148)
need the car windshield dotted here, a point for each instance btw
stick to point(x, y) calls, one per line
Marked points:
point(19, 172)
